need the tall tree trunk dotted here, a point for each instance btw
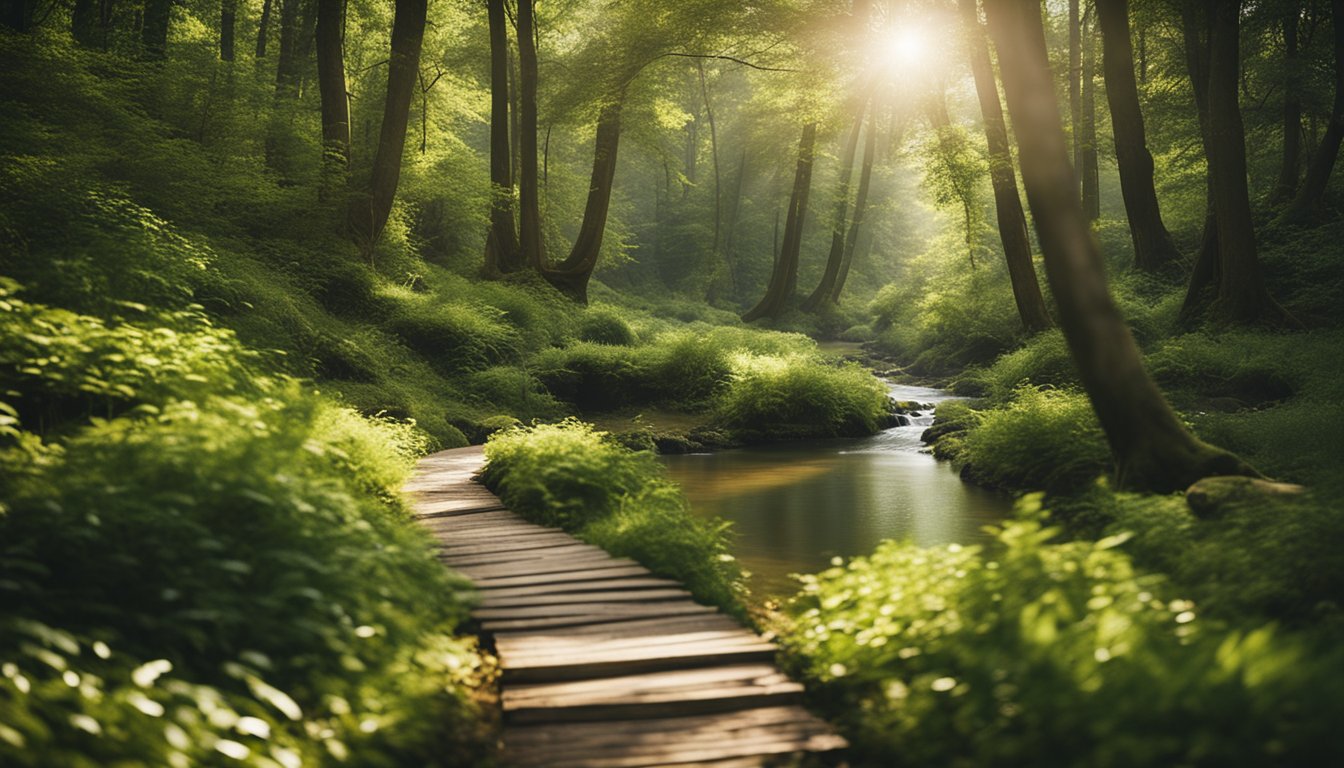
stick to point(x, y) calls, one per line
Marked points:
point(529, 235)
point(154, 32)
point(714, 157)
point(1091, 176)
point(839, 216)
point(515, 136)
point(331, 86)
point(784, 277)
point(1242, 296)
point(84, 22)
point(1012, 220)
point(1152, 449)
point(860, 209)
point(1075, 83)
point(572, 275)
point(1290, 168)
point(369, 211)
point(287, 68)
point(1153, 246)
point(1204, 276)
point(730, 227)
point(228, 18)
point(1312, 192)
point(263, 28)
point(501, 242)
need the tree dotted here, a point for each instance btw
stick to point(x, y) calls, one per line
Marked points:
point(784, 277)
point(16, 14)
point(860, 208)
point(288, 67)
point(1087, 136)
point(154, 29)
point(529, 193)
point(1312, 192)
point(370, 208)
point(228, 18)
point(1012, 221)
point(1152, 449)
point(502, 254)
point(1153, 245)
point(84, 22)
point(1290, 168)
point(263, 26)
point(838, 229)
point(331, 85)
point(1075, 83)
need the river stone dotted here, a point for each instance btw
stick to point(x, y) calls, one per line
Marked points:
point(1209, 496)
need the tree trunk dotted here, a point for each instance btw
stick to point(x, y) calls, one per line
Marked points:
point(501, 242)
point(154, 32)
point(15, 14)
point(572, 275)
point(1153, 246)
point(1153, 451)
point(1090, 174)
point(714, 157)
point(331, 86)
point(369, 211)
point(1312, 192)
point(784, 277)
point(1290, 168)
point(1204, 277)
point(1012, 220)
point(287, 68)
point(263, 27)
point(530, 240)
point(841, 213)
point(1075, 94)
point(860, 209)
point(228, 17)
point(730, 227)
point(84, 22)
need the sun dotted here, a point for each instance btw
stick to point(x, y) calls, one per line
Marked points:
point(906, 47)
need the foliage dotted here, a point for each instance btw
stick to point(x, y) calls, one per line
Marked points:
point(1044, 439)
point(789, 396)
point(604, 325)
point(570, 475)
point(1032, 651)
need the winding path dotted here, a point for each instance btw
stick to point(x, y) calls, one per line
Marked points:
point(602, 663)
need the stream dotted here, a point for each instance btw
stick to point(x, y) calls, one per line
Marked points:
point(796, 506)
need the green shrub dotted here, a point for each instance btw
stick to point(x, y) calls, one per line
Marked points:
point(1043, 361)
point(593, 377)
point(513, 391)
point(1032, 652)
point(771, 397)
point(570, 475)
point(455, 337)
point(1251, 368)
point(604, 325)
point(1044, 439)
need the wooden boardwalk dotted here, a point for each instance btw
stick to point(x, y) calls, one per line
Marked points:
point(602, 663)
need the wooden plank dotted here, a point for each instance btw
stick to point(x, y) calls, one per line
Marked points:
point(569, 577)
point(550, 565)
point(572, 598)
point(595, 622)
point(692, 753)
point(708, 619)
point(449, 545)
point(556, 588)
point(629, 661)
point(559, 643)
point(523, 560)
point(633, 610)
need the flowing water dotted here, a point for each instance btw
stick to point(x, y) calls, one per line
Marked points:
point(796, 506)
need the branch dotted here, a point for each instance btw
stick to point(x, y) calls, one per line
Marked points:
point(723, 57)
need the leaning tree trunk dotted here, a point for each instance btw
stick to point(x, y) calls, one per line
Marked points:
point(784, 277)
point(860, 209)
point(1152, 449)
point(1312, 191)
point(529, 193)
point(154, 30)
point(1153, 245)
point(1091, 176)
point(1242, 296)
point(838, 229)
point(369, 211)
point(331, 88)
point(228, 21)
point(571, 276)
point(1290, 167)
point(1007, 204)
point(502, 254)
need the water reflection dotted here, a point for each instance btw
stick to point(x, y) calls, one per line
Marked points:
point(796, 506)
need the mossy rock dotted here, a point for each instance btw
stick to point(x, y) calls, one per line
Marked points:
point(1213, 496)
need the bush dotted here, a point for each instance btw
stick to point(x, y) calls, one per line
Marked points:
point(1043, 361)
point(1032, 652)
point(570, 475)
point(794, 396)
point(1044, 439)
point(604, 325)
point(455, 337)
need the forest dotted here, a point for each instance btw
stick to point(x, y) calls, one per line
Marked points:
point(984, 357)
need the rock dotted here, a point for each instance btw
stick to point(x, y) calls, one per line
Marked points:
point(1208, 497)
point(902, 420)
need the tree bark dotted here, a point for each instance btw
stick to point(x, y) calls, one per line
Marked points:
point(784, 277)
point(331, 86)
point(154, 31)
point(501, 243)
point(572, 275)
point(1153, 246)
point(839, 216)
point(1312, 192)
point(1194, 31)
point(713, 154)
point(1012, 221)
point(530, 238)
point(1290, 167)
point(228, 18)
point(369, 211)
point(1090, 174)
point(1075, 83)
point(730, 227)
point(263, 27)
point(1153, 451)
point(860, 210)
point(84, 22)
point(287, 67)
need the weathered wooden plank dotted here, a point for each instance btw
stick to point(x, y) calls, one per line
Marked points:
point(559, 643)
point(630, 610)
point(557, 588)
point(449, 545)
point(579, 598)
point(629, 661)
point(523, 560)
point(596, 622)
point(706, 620)
point(551, 566)
point(564, 577)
